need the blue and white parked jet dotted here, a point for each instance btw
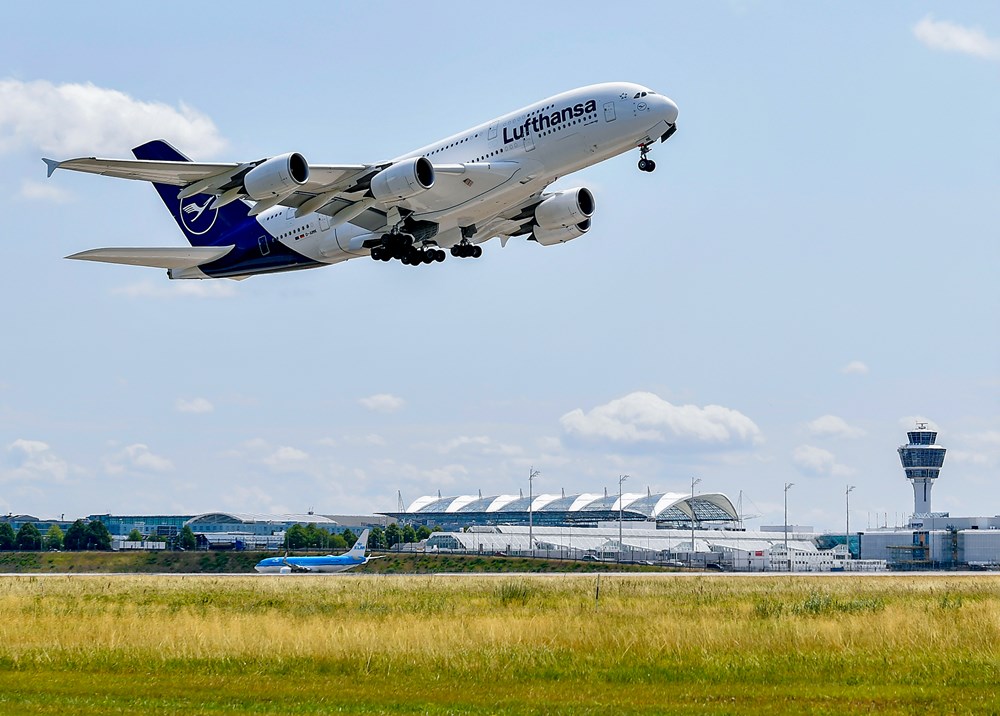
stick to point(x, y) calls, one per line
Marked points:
point(331, 563)
point(282, 214)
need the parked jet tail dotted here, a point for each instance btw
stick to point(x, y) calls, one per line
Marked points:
point(361, 546)
point(201, 225)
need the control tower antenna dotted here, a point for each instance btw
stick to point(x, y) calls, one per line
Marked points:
point(922, 460)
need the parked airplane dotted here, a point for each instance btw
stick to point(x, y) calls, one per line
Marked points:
point(331, 563)
point(282, 214)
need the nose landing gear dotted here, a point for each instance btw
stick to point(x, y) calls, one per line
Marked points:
point(645, 165)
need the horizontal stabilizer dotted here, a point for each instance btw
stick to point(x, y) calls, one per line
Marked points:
point(167, 258)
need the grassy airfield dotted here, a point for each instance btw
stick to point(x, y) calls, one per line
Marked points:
point(502, 644)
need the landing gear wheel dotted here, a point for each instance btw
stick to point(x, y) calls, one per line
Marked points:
point(644, 165)
point(477, 251)
point(439, 255)
point(650, 165)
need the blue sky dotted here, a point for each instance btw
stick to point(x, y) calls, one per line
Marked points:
point(811, 267)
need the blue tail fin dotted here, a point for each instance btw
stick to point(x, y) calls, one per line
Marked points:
point(201, 226)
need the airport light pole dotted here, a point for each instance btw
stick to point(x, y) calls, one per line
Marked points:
point(788, 556)
point(532, 474)
point(691, 507)
point(621, 479)
point(847, 523)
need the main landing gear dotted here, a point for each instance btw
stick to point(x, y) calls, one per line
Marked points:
point(465, 250)
point(645, 165)
point(409, 255)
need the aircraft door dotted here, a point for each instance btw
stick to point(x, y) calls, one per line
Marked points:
point(265, 248)
point(529, 142)
point(609, 111)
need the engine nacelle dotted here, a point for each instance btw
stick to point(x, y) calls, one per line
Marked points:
point(565, 208)
point(550, 237)
point(278, 176)
point(403, 179)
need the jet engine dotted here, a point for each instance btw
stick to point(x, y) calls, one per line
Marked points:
point(550, 237)
point(565, 209)
point(278, 176)
point(403, 179)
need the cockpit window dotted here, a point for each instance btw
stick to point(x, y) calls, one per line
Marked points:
point(636, 96)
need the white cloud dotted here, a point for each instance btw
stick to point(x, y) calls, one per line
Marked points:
point(642, 417)
point(371, 440)
point(833, 426)
point(39, 191)
point(818, 462)
point(194, 405)
point(137, 457)
point(950, 37)
point(33, 459)
point(186, 288)
point(382, 403)
point(990, 437)
point(482, 443)
point(286, 457)
point(855, 367)
point(73, 119)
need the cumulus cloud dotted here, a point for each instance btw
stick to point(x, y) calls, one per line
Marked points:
point(371, 440)
point(73, 119)
point(481, 443)
point(645, 418)
point(39, 191)
point(192, 288)
point(818, 462)
point(382, 403)
point(137, 458)
point(286, 457)
point(194, 405)
point(833, 427)
point(33, 459)
point(951, 37)
point(855, 367)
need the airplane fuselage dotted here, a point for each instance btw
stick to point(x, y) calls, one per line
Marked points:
point(493, 166)
point(329, 564)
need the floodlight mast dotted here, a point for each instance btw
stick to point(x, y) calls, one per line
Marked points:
point(847, 521)
point(532, 474)
point(621, 479)
point(694, 482)
point(788, 556)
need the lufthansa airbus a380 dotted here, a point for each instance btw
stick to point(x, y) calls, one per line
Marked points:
point(282, 214)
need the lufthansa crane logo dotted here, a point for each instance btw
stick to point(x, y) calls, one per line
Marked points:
point(196, 217)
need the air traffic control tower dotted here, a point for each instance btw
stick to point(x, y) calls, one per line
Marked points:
point(922, 461)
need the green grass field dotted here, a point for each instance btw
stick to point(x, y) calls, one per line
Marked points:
point(501, 644)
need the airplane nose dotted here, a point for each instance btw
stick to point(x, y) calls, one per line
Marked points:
point(670, 110)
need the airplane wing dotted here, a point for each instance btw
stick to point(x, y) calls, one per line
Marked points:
point(341, 191)
point(215, 178)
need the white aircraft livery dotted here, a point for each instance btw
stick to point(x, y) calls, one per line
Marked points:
point(282, 214)
point(331, 563)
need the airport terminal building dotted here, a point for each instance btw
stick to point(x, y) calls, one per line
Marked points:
point(665, 509)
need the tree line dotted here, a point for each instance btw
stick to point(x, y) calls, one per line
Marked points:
point(80, 535)
point(94, 535)
point(313, 537)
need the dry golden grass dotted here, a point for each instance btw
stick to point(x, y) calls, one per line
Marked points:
point(499, 644)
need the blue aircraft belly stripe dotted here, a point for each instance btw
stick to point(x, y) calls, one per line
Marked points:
point(230, 225)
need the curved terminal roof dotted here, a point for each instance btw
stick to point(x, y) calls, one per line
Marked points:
point(228, 518)
point(666, 506)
